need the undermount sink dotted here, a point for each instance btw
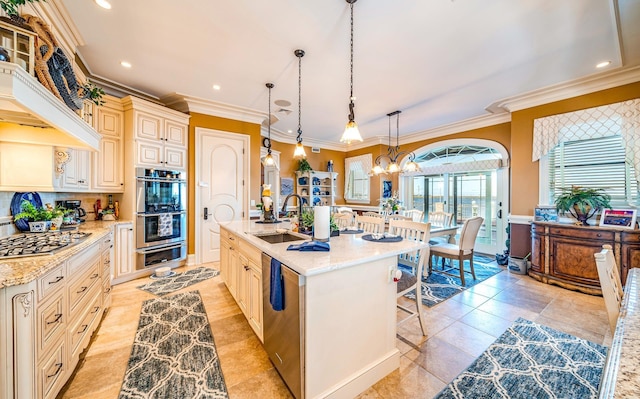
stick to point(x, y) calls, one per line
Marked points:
point(275, 238)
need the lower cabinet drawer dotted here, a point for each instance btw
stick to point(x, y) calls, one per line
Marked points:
point(50, 282)
point(51, 372)
point(51, 323)
point(106, 294)
point(80, 332)
point(79, 289)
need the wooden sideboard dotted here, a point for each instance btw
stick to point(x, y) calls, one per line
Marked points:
point(562, 254)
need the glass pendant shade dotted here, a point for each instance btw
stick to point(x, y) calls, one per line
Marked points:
point(299, 151)
point(393, 168)
point(351, 133)
point(268, 160)
point(377, 170)
point(411, 167)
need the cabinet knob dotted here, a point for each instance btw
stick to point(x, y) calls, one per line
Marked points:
point(598, 235)
point(246, 267)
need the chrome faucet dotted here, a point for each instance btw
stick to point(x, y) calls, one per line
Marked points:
point(284, 204)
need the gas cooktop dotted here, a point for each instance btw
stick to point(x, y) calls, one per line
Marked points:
point(33, 244)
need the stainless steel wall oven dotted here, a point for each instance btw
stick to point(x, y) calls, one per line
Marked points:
point(161, 219)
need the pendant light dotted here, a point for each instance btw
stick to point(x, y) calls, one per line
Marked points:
point(393, 153)
point(268, 159)
point(299, 151)
point(351, 132)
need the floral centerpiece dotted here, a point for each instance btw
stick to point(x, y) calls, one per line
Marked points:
point(392, 204)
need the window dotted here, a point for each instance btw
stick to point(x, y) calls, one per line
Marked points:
point(356, 182)
point(597, 163)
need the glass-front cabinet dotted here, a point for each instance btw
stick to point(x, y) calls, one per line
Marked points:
point(19, 44)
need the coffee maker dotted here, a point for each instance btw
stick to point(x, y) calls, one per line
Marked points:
point(78, 213)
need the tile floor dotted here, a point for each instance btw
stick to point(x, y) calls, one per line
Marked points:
point(459, 330)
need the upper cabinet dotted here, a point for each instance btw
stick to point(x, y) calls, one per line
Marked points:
point(108, 162)
point(159, 134)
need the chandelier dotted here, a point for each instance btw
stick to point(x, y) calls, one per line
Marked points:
point(299, 153)
point(393, 153)
point(351, 132)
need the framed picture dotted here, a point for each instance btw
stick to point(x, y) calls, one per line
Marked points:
point(387, 189)
point(545, 215)
point(625, 218)
point(286, 186)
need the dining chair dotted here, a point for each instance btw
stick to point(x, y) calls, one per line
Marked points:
point(415, 214)
point(343, 220)
point(610, 283)
point(460, 251)
point(440, 219)
point(373, 214)
point(410, 277)
point(344, 209)
point(398, 217)
point(370, 224)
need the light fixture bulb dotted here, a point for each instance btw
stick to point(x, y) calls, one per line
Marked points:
point(299, 153)
point(393, 168)
point(377, 170)
point(351, 133)
point(411, 167)
point(268, 160)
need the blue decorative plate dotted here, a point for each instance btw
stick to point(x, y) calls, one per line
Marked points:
point(16, 207)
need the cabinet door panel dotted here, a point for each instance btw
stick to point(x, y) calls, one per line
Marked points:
point(108, 165)
point(109, 122)
point(148, 127)
point(175, 133)
point(575, 262)
point(149, 154)
point(175, 158)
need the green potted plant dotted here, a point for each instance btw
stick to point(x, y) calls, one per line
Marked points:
point(39, 218)
point(582, 202)
point(303, 165)
point(306, 223)
point(11, 8)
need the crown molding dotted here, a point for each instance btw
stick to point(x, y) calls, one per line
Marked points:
point(186, 103)
point(574, 88)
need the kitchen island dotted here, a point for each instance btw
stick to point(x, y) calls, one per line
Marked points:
point(348, 297)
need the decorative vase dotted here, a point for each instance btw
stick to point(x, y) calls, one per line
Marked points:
point(56, 223)
point(39, 227)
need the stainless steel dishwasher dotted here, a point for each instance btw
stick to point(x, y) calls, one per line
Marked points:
point(283, 331)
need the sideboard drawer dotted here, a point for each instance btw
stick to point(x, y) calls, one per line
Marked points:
point(586, 233)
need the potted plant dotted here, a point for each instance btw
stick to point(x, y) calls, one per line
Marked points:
point(11, 8)
point(303, 165)
point(306, 223)
point(39, 218)
point(582, 202)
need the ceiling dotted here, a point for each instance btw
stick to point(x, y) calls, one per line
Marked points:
point(438, 61)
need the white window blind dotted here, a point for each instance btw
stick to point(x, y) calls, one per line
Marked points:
point(596, 163)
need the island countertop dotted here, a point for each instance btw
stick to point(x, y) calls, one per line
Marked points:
point(16, 271)
point(346, 249)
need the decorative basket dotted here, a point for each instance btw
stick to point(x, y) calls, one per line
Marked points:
point(39, 227)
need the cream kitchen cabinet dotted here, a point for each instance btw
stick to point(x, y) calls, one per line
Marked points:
point(240, 266)
point(73, 173)
point(159, 134)
point(108, 162)
point(46, 323)
point(124, 253)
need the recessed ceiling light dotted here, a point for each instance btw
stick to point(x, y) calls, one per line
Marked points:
point(216, 87)
point(282, 103)
point(125, 64)
point(289, 131)
point(603, 64)
point(104, 4)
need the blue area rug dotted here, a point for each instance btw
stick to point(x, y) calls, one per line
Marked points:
point(179, 281)
point(530, 360)
point(438, 287)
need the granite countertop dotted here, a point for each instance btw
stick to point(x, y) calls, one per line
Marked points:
point(621, 375)
point(346, 250)
point(16, 271)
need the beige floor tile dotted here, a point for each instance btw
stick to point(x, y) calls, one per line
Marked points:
point(506, 311)
point(409, 381)
point(467, 338)
point(485, 322)
point(441, 359)
point(267, 384)
point(452, 309)
point(243, 359)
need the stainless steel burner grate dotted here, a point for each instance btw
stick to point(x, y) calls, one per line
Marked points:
point(32, 244)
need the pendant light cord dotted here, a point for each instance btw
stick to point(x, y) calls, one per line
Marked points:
point(351, 105)
point(269, 86)
point(299, 54)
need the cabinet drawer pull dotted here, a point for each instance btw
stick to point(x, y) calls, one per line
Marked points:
point(57, 280)
point(231, 239)
point(95, 309)
point(84, 328)
point(246, 267)
point(108, 290)
point(83, 289)
point(57, 319)
point(58, 368)
point(107, 261)
point(94, 275)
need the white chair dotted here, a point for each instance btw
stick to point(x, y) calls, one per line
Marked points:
point(343, 220)
point(373, 214)
point(610, 283)
point(344, 209)
point(398, 217)
point(415, 260)
point(461, 251)
point(370, 224)
point(440, 219)
point(415, 215)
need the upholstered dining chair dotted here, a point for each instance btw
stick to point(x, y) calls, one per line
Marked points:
point(610, 283)
point(413, 261)
point(343, 220)
point(370, 224)
point(460, 251)
point(415, 214)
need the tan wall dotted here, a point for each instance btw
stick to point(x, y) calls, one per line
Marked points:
point(227, 125)
point(524, 172)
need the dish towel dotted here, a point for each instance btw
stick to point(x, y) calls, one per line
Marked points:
point(310, 246)
point(276, 288)
point(165, 225)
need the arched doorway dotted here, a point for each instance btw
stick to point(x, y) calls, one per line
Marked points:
point(467, 177)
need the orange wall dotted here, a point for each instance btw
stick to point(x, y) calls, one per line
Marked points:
point(524, 172)
point(227, 125)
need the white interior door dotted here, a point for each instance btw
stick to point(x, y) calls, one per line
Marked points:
point(221, 189)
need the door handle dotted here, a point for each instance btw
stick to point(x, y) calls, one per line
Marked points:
point(500, 214)
point(206, 213)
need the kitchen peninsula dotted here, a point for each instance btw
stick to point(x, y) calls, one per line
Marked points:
point(348, 304)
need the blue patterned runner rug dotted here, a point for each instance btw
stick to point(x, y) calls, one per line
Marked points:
point(179, 281)
point(530, 360)
point(438, 287)
point(173, 354)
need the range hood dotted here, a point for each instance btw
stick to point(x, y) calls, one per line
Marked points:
point(31, 114)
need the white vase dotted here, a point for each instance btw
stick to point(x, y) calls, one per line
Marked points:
point(39, 227)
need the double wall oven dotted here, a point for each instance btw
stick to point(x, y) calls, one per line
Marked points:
point(161, 218)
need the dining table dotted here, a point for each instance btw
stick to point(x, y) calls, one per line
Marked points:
point(449, 231)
